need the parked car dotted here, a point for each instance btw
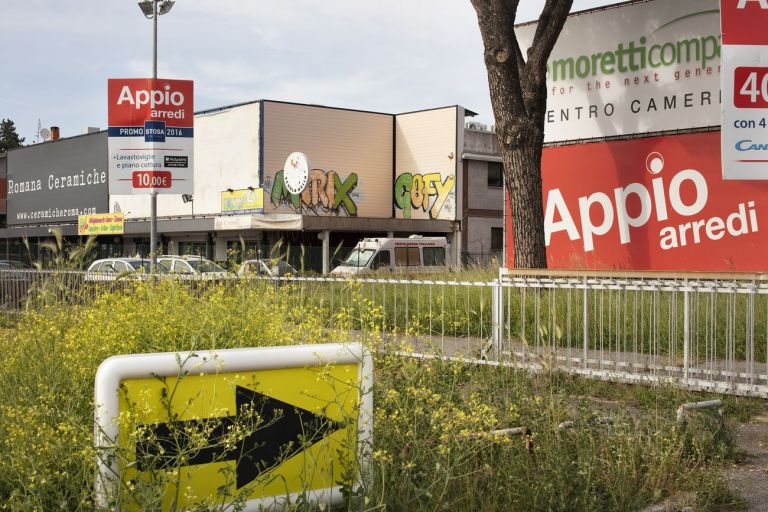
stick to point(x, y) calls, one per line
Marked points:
point(109, 269)
point(12, 265)
point(192, 267)
point(266, 268)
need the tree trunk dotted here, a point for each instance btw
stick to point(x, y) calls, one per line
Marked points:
point(522, 172)
point(519, 98)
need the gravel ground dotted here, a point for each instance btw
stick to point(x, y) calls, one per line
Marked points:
point(750, 476)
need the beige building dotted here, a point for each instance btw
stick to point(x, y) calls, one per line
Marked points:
point(370, 174)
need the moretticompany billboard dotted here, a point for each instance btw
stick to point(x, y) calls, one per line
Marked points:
point(654, 203)
point(632, 69)
point(58, 181)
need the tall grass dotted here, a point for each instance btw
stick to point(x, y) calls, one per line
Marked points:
point(432, 447)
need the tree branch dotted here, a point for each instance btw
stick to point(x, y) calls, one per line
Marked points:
point(550, 25)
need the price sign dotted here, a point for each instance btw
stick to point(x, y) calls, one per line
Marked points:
point(751, 87)
point(150, 136)
point(744, 131)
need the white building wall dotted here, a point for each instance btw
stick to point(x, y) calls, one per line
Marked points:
point(226, 156)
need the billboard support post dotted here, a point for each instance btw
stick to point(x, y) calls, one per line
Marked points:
point(153, 196)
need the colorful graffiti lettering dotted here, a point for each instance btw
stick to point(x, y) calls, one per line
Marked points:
point(325, 192)
point(415, 191)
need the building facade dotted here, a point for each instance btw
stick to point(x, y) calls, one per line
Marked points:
point(371, 174)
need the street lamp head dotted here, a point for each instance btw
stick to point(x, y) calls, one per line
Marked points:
point(165, 6)
point(146, 8)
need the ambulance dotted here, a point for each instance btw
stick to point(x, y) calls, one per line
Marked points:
point(404, 255)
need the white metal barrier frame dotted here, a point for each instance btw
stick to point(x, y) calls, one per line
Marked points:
point(698, 331)
point(702, 346)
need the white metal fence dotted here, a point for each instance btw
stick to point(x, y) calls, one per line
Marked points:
point(699, 331)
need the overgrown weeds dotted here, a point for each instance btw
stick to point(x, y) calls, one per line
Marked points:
point(433, 445)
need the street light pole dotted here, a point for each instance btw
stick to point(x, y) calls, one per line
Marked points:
point(153, 195)
point(152, 11)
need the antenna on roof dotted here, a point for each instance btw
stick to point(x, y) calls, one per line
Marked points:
point(39, 129)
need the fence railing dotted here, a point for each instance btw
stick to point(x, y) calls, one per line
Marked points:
point(699, 331)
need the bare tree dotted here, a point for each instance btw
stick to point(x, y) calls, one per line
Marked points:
point(519, 97)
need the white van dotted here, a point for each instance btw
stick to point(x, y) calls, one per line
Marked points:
point(413, 254)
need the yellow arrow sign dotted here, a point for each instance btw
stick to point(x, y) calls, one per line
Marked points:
point(260, 435)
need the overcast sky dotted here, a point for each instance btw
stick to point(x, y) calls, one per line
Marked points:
point(393, 56)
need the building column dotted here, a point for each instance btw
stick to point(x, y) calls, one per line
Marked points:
point(220, 249)
point(325, 236)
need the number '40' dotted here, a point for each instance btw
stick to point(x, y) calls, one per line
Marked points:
point(751, 89)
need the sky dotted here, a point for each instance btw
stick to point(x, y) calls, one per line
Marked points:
point(393, 56)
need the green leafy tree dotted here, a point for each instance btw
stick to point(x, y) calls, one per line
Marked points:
point(9, 139)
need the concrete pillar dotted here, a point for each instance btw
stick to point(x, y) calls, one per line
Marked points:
point(325, 236)
point(220, 249)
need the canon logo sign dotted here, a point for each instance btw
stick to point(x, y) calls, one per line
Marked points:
point(657, 201)
point(153, 98)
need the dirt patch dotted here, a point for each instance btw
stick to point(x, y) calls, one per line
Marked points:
point(749, 477)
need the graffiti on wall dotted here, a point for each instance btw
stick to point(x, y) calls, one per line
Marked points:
point(326, 192)
point(427, 192)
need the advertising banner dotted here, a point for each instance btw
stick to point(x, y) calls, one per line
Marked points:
point(745, 89)
point(58, 181)
point(243, 201)
point(635, 68)
point(101, 224)
point(150, 136)
point(657, 203)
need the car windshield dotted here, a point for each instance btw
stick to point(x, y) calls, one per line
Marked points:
point(286, 268)
point(204, 266)
point(358, 258)
point(12, 264)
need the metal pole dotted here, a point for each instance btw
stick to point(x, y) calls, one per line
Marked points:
point(686, 331)
point(153, 195)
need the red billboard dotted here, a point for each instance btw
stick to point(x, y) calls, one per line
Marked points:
point(151, 131)
point(656, 203)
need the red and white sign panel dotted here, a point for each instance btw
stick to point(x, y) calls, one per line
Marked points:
point(151, 129)
point(657, 203)
point(745, 89)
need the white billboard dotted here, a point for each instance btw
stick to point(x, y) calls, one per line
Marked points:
point(634, 68)
point(151, 128)
point(745, 89)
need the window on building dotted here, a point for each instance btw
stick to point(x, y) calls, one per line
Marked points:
point(193, 248)
point(434, 256)
point(497, 239)
point(495, 174)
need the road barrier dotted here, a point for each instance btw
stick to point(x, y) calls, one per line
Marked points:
point(698, 331)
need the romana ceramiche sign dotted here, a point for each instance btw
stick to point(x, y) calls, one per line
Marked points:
point(58, 181)
point(632, 69)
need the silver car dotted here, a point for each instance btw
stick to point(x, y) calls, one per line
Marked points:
point(266, 268)
point(109, 269)
point(192, 267)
